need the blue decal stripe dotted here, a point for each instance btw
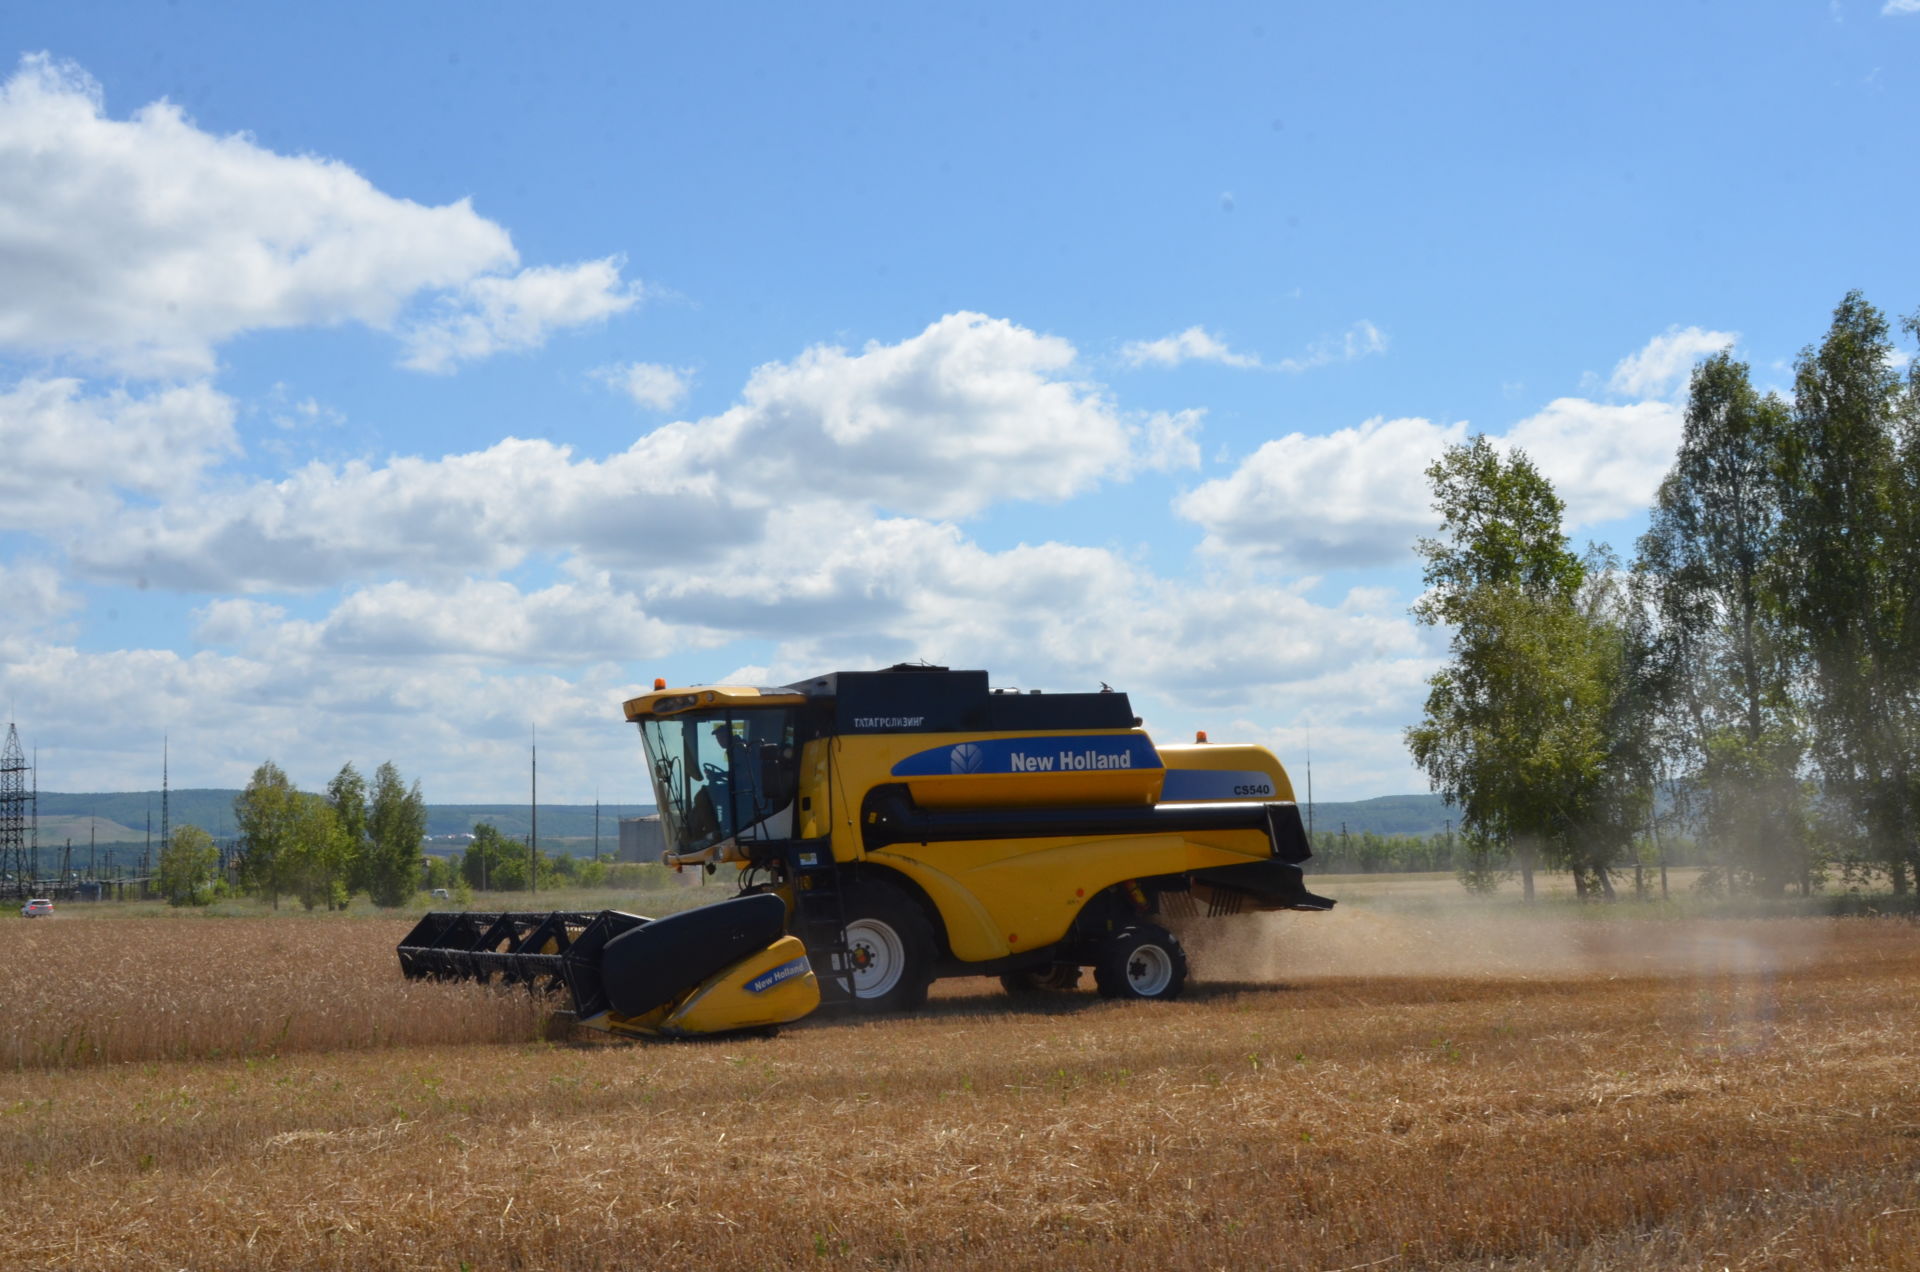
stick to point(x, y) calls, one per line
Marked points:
point(1071, 753)
point(786, 971)
point(1226, 784)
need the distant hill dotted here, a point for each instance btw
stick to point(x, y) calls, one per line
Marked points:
point(1387, 815)
point(122, 817)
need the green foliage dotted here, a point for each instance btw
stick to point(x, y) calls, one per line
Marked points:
point(1770, 630)
point(1729, 722)
point(187, 866)
point(1846, 576)
point(395, 826)
point(1519, 724)
point(494, 863)
point(319, 848)
point(313, 862)
point(1500, 524)
point(439, 873)
point(347, 793)
point(264, 813)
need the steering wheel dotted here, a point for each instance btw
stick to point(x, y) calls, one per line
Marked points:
point(714, 773)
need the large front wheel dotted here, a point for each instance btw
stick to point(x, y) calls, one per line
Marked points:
point(890, 950)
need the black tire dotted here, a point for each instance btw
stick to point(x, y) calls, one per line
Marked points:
point(1142, 961)
point(890, 948)
point(1054, 978)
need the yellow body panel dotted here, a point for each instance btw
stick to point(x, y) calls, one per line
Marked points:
point(772, 987)
point(1005, 896)
point(973, 933)
point(1241, 768)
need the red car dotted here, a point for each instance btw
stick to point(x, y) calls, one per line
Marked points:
point(37, 908)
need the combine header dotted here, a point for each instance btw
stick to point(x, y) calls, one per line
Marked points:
point(891, 827)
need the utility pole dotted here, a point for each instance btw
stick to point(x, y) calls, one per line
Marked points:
point(166, 821)
point(596, 825)
point(533, 831)
point(1309, 784)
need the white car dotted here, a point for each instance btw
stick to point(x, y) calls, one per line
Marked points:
point(39, 907)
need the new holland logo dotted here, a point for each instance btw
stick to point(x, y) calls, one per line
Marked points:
point(965, 758)
point(786, 971)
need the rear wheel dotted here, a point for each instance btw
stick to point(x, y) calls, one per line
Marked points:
point(1142, 961)
point(890, 949)
point(1054, 978)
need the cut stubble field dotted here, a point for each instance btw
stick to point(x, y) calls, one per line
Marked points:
point(1373, 1087)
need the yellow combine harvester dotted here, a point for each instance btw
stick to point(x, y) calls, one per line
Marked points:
point(892, 827)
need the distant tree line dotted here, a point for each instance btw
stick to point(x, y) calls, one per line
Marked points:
point(322, 849)
point(492, 862)
point(1756, 666)
point(1480, 863)
point(319, 849)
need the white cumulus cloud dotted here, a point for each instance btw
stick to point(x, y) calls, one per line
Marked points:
point(140, 244)
point(490, 314)
point(1359, 496)
point(1195, 344)
point(1353, 497)
point(649, 384)
point(71, 455)
point(1605, 461)
point(35, 597)
point(971, 411)
point(1362, 340)
point(1666, 361)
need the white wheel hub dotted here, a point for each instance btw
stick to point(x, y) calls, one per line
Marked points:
point(1149, 971)
point(878, 957)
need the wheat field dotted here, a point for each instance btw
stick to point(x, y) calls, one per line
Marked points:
point(1361, 1089)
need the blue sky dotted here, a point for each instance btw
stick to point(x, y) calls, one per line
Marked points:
point(383, 384)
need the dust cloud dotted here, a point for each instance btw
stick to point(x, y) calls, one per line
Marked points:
point(1473, 943)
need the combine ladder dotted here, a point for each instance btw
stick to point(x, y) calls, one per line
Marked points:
point(820, 919)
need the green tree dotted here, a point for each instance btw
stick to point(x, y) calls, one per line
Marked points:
point(486, 856)
point(1844, 577)
point(1515, 730)
point(187, 865)
point(1626, 682)
point(1729, 718)
point(263, 814)
point(316, 856)
point(396, 824)
point(347, 793)
point(495, 863)
point(440, 873)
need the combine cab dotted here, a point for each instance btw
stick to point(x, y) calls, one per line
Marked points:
point(891, 827)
